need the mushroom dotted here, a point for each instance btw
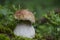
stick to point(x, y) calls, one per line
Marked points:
point(25, 27)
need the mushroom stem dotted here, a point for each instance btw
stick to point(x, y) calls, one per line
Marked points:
point(24, 30)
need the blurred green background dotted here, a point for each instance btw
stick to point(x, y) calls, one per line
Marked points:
point(47, 14)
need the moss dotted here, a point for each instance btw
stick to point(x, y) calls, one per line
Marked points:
point(21, 38)
point(6, 31)
point(4, 37)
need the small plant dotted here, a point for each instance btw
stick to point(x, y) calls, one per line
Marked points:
point(4, 37)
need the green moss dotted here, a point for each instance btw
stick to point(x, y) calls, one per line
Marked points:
point(21, 38)
point(4, 37)
point(6, 31)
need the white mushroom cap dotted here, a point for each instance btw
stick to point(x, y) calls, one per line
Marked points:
point(25, 15)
